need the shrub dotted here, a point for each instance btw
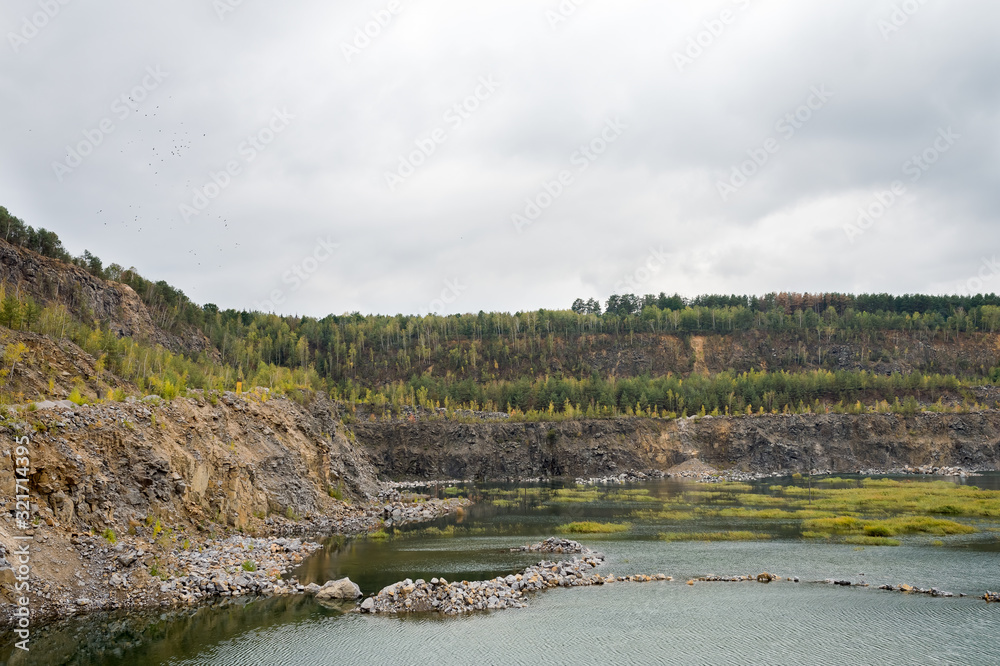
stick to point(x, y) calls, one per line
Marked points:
point(77, 398)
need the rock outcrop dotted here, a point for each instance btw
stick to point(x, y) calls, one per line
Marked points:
point(47, 281)
point(439, 449)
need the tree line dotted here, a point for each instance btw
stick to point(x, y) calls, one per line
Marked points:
point(495, 357)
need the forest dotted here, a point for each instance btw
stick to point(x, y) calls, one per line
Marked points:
point(630, 355)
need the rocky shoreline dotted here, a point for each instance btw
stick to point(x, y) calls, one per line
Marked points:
point(439, 595)
point(136, 572)
point(705, 474)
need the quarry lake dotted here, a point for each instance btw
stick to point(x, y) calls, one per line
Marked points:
point(681, 529)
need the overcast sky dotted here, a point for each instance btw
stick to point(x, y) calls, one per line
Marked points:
point(437, 155)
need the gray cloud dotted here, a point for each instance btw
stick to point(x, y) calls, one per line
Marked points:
point(655, 188)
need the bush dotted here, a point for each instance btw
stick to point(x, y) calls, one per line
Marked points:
point(77, 398)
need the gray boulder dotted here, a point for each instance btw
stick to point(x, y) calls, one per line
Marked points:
point(339, 589)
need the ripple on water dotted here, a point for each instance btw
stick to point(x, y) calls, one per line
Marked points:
point(657, 623)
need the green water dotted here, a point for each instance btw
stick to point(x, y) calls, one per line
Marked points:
point(651, 623)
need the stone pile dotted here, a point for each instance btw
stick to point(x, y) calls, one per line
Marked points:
point(623, 478)
point(403, 513)
point(441, 596)
point(237, 566)
point(636, 578)
point(935, 470)
point(912, 589)
point(760, 578)
point(501, 592)
point(351, 520)
point(554, 545)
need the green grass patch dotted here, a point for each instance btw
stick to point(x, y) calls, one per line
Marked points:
point(809, 534)
point(920, 525)
point(651, 515)
point(887, 527)
point(592, 528)
point(573, 495)
point(715, 536)
point(838, 525)
point(640, 495)
point(448, 531)
point(871, 541)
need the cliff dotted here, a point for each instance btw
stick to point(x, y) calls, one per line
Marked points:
point(49, 281)
point(841, 443)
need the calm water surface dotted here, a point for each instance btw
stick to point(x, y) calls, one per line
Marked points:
point(652, 623)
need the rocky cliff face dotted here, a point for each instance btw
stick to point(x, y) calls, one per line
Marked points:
point(840, 443)
point(50, 281)
point(499, 450)
point(844, 443)
point(187, 462)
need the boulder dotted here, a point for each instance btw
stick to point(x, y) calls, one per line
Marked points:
point(339, 589)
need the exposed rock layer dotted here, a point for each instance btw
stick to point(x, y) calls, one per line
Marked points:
point(836, 442)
